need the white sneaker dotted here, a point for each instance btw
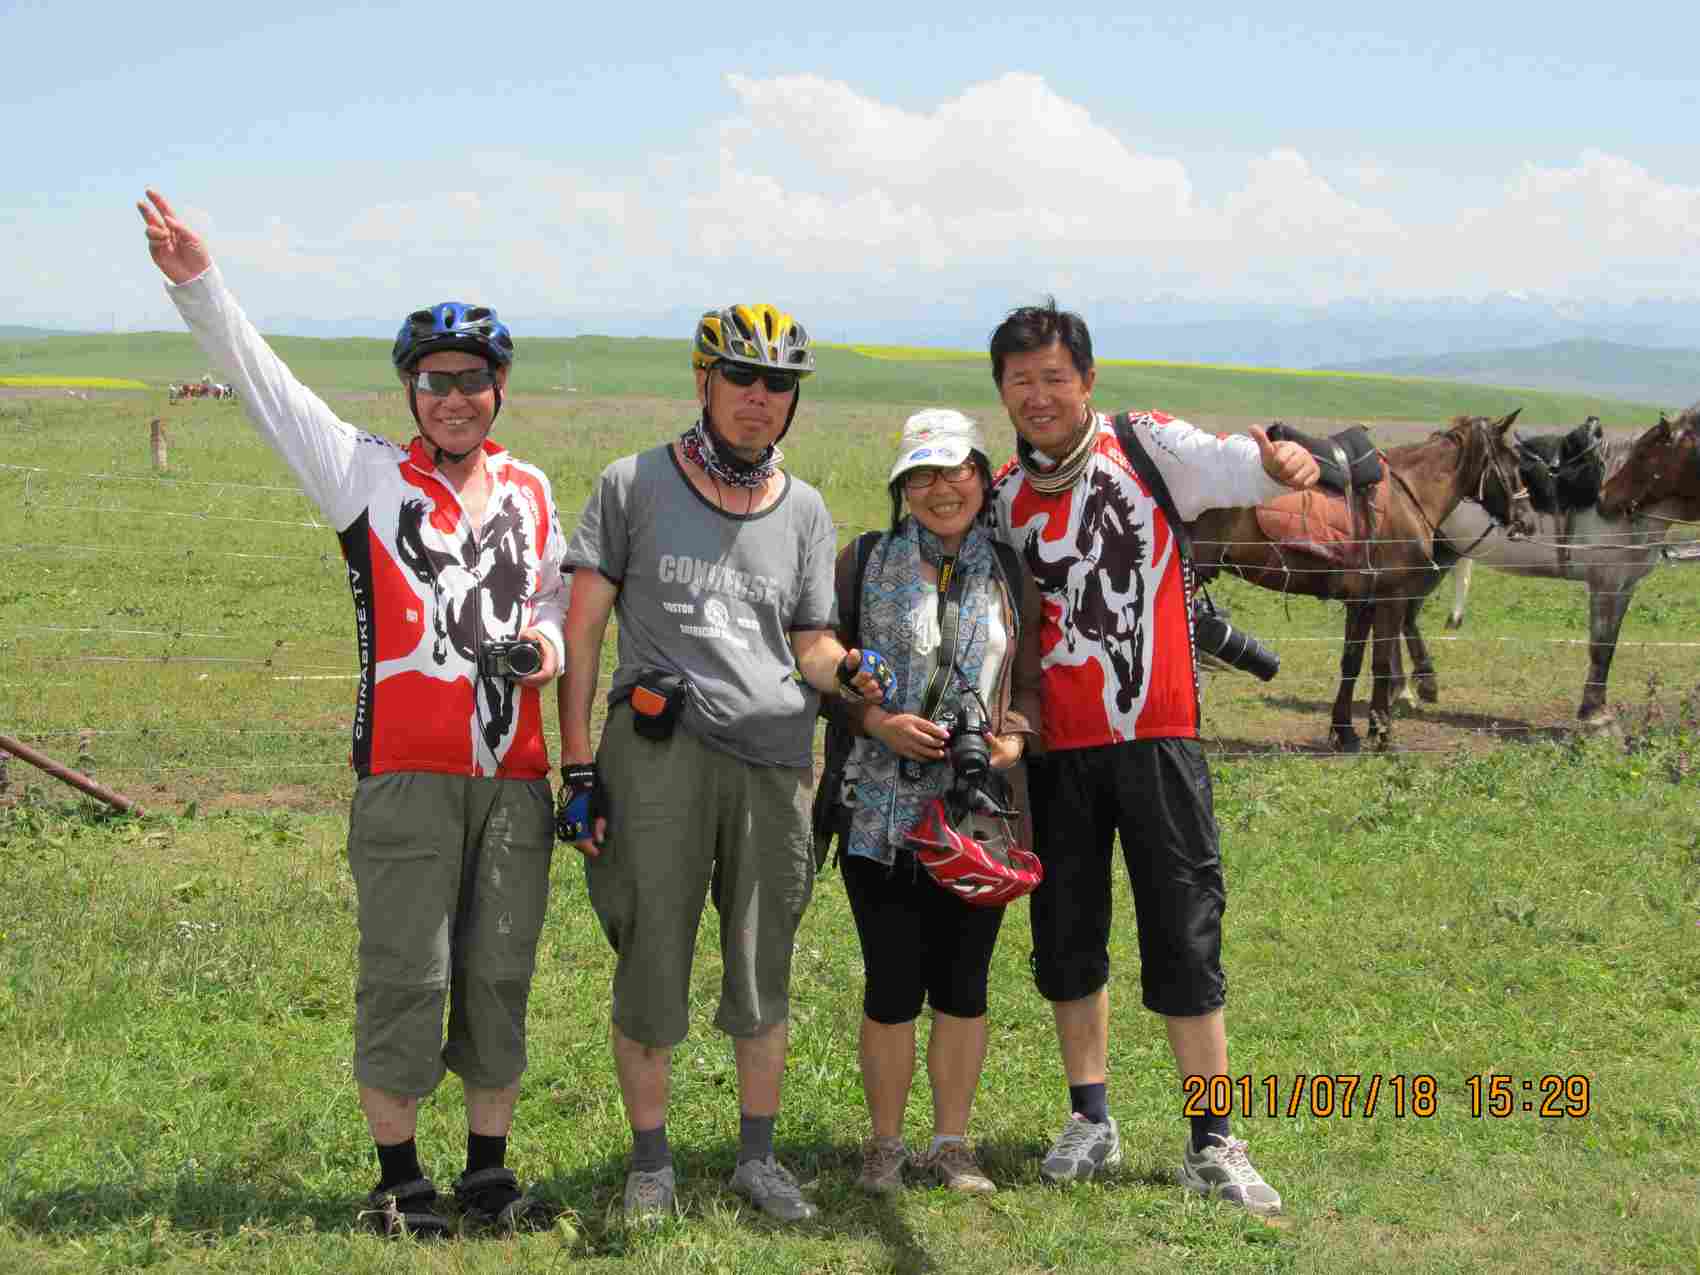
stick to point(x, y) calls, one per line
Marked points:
point(1224, 1170)
point(1082, 1149)
point(769, 1186)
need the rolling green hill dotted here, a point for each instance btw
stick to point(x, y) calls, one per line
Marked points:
point(12, 332)
point(1671, 377)
point(618, 367)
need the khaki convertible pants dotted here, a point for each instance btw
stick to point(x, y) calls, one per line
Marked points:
point(452, 876)
point(685, 814)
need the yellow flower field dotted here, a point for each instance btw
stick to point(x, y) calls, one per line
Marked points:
point(70, 383)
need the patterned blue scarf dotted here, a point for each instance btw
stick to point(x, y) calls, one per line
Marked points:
point(895, 603)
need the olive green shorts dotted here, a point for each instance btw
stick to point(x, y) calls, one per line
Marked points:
point(452, 878)
point(687, 821)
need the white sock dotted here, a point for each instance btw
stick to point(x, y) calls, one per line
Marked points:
point(941, 1139)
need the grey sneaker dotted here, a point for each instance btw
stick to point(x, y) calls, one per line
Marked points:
point(882, 1165)
point(1224, 1170)
point(769, 1186)
point(649, 1196)
point(1082, 1150)
point(955, 1166)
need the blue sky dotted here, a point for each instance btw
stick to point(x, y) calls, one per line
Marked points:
point(847, 161)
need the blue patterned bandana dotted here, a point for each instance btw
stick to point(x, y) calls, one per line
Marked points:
point(898, 619)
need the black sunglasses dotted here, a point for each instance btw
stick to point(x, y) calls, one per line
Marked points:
point(743, 377)
point(475, 380)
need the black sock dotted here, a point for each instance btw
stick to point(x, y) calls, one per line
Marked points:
point(755, 1137)
point(1204, 1126)
point(485, 1152)
point(398, 1163)
point(1090, 1101)
point(650, 1152)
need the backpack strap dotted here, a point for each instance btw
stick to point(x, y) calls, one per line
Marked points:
point(864, 549)
point(1148, 473)
point(828, 816)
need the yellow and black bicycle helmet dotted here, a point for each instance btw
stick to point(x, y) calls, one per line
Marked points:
point(757, 335)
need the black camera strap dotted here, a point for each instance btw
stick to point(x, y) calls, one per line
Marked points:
point(950, 631)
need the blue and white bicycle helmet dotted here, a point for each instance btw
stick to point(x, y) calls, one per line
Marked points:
point(452, 325)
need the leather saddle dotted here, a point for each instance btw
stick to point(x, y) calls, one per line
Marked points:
point(1334, 521)
point(1347, 459)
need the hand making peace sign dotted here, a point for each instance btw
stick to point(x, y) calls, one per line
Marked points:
point(176, 250)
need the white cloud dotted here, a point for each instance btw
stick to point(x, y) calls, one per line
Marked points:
point(816, 191)
point(813, 165)
point(1575, 230)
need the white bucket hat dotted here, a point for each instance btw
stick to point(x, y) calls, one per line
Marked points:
point(940, 437)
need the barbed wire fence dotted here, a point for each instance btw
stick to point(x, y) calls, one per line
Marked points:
point(136, 666)
point(163, 690)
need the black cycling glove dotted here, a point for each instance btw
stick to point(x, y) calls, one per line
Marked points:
point(583, 801)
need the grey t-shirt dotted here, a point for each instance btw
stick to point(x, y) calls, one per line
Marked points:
point(715, 596)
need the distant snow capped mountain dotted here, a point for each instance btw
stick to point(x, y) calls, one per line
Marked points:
point(1167, 328)
point(1606, 368)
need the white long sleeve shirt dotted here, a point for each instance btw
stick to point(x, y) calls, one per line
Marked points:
point(1116, 637)
point(428, 586)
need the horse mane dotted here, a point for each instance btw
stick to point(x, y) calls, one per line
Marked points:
point(1614, 453)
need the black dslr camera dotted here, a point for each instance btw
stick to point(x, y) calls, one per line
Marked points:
point(967, 748)
point(1234, 647)
point(512, 660)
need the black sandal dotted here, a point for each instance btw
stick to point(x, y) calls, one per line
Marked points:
point(405, 1209)
point(491, 1200)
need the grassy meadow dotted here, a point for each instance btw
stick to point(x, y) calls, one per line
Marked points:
point(594, 366)
point(1501, 898)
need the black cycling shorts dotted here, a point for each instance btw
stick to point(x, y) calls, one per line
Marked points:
point(1156, 794)
point(920, 943)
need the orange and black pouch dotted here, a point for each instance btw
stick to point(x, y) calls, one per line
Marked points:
point(657, 701)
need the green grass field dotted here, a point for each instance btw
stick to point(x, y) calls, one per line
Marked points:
point(1506, 898)
point(621, 367)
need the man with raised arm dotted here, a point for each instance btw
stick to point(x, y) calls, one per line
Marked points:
point(454, 559)
point(719, 566)
point(1121, 756)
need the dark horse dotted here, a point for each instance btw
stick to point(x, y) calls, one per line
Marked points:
point(1662, 468)
point(1374, 574)
point(1562, 473)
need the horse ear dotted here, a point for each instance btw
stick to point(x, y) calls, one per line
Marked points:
point(1500, 426)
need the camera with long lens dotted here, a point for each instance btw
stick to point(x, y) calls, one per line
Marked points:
point(511, 660)
point(1234, 647)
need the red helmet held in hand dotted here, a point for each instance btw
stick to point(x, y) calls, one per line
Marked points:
point(975, 857)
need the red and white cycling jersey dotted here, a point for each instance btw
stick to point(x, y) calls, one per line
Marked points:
point(428, 587)
point(1116, 640)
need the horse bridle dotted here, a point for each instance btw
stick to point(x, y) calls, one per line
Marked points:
point(1512, 494)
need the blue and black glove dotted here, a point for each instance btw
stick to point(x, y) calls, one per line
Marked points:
point(583, 801)
point(872, 662)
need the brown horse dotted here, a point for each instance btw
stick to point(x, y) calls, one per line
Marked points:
point(1663, 469)
point(1387, 552)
